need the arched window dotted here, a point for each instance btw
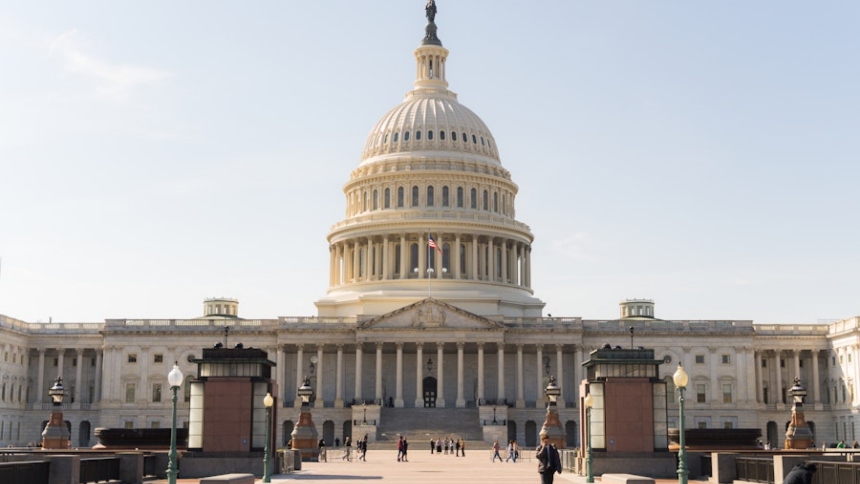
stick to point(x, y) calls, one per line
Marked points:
point(430, 196)
point(429, 134)
point(364, 202)
point(496, 202)
point(459, 197)
point(446, 258)
point(396, 135)
point(463, 259)
point(418, 136)
point(474, 199)
point(376, 199)
point(445, 196)
point(482, 141)
point(441, 135)
point(486, 200)
point(387, 201)
point(415, 196)
point(453, 136)
point(406, 136)
point(465, 138)
point(386, 138)
point(474, 139)
point(400, 196)
point(397, 260)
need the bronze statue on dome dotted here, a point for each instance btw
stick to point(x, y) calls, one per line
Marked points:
point(430, 10)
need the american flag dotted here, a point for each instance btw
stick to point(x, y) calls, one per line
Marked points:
point(433, 245)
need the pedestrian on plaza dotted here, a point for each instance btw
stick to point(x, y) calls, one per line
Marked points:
point(801, 474)
point(548, 460)
point(347, 444)
point(363, 448)
point(841, 444)
point(496, 449)
point(462, 447)
point(399, 448)
point(405, 450)
point(432, 446)
point(855, 445)
point(446, 445)
point(321, 450)
point(457, 447)
point(438, 446)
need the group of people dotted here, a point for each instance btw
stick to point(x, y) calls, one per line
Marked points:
point(513, 451)
point(402, 449)
point(360, 448)
point(456, 447)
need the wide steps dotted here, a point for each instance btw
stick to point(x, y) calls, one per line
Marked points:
point(420, 424)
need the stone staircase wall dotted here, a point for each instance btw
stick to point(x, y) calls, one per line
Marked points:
point(418, 425)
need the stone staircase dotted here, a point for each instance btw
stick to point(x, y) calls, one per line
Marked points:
point(418, 425)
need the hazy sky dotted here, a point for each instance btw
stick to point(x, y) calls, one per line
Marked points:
point(701, 154)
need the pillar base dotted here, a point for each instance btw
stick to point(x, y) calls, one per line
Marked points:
point(398, 403)
point(521, 404)
point(461, 403)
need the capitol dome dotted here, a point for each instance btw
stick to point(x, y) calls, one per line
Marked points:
point(430, 211)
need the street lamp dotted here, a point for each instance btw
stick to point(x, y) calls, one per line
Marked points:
point(268, 401)
point(56, 435)
point(174, 379)
point(680, 377)
point(552, 427)
point(430, 365)
point(589, 472)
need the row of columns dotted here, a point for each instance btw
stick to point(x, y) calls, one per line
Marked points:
point(775, 359)
point(364, 259)
point(79, 364)
point(399, 398)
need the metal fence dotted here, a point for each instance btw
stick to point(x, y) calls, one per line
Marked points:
point(24, 472)
point(99, 469)
point(760, 469)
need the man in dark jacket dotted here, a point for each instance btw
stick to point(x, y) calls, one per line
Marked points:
point(801, 474)
point(548, 460)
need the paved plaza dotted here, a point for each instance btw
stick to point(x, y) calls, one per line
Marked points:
point(382, 466)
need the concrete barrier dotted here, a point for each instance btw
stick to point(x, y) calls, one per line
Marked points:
point(229, 479)
point(625, 479)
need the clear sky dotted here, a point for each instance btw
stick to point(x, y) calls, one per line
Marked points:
point(701, 154)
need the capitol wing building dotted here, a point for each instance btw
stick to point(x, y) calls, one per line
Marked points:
point(429, 321)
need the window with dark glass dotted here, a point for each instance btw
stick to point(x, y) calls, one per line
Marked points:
point(400, 197)
point(482, 141)
point(430, 134)
point(496, 202)
point(376, 199)
point(465, 138)
point(474, 198)
point(453, 136)
point(430, 196)
point(459, 197)
point(486, 200)
point(445, 196)
point(387, 200)
point(474, 139)
point(441, 135)
point(396, 135)
point(415, 196)
point(406, 136)
point(418, 136)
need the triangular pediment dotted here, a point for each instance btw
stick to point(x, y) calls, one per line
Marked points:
point(430, 314)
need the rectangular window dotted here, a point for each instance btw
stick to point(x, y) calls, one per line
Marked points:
point(727, 393)
point(781, 363)
point(728, 425)
point(132, 358)
point(156, 392)
point(727, 359)
point(841, 359)
point(158, 358)
point(155, 425)
point(56, 362)
point(700, 359)
point(764, 363)
point(92, 362)
point(75, 362)
point(703, 425)
point(129, 393)
point(128, 424)
point(700, 393)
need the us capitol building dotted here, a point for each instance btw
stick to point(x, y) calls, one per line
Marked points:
point(429, 312)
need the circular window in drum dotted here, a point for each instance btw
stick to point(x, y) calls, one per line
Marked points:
point(191, 358)
point(667, 359)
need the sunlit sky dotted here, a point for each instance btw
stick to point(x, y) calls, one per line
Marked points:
point(701, 154)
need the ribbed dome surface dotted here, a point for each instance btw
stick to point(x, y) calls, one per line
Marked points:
point(430, 122)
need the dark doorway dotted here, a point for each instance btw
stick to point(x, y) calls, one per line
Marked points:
point(512, 430)
point(429, 392)
point(84, 434)
point(288, 431)
point(572, 437)
point(328, 432)
point(531, 434)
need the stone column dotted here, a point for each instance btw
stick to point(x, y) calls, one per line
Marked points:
point(796, 354)
point(419, 375)
point(521, 402)
point(461, 402)
point(79, 361)
point(560, 377)
point(480, 374)
point(456, 257)
point(319, 401)
point(404, 267)
point(398, 378)
point(715, 393)
point(504, 262)
point(816, 385)
point(539, 373)
point(356, 260)
point(501, 393)
point(378, 373)
point(778, 390)
point(422, 257)
point(491, 259)
point(577, 372)
point(97, 391)
point(474, 258)
point(40, 378)
point(440, 389)
point(143, 360)
point(359, 374)
point(338, 392)
point(299, 376)
point(386, 258)
point(759, 377)
point(60, 362)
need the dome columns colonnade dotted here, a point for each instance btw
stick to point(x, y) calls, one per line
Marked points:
point(396, 257)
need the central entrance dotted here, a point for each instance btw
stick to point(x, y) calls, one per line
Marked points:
point(429, 392)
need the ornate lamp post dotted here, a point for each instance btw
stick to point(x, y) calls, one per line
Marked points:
point(174, 379)
point(304, 436)
point(268, 401)
point(589, 471)
point(680, 377)
point(798, 435)
point(552, 427)
point(56, 435)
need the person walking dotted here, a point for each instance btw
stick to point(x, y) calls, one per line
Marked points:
point(548, 460)
point(323, 457)
point(347, 447)
point(400, 448)
point(432, 446)
point(438, 446)
point(496, 449)
point(457, 447)
point(801, 474)
point(462, 448)
point(405, 450)
point(363, 448)
point(446, 445)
